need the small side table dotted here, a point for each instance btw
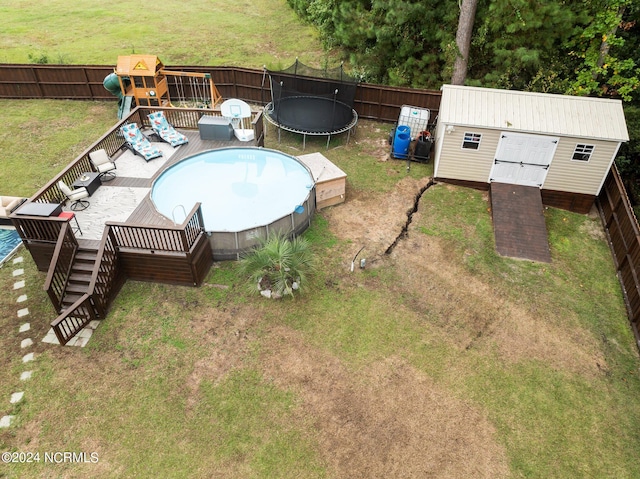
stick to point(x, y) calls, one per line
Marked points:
point(89, 180)
point(70, 215)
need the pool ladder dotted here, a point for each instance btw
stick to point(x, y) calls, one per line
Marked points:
point(173, 213)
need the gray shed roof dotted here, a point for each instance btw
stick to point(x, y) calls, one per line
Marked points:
point(544, 113)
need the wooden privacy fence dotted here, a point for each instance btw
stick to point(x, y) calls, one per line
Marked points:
point(84, 82)
point(623, 234)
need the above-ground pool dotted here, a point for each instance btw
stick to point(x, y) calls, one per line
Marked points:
point(246, 193)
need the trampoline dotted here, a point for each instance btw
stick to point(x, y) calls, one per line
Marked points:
point(309, 101)
point(246, 193)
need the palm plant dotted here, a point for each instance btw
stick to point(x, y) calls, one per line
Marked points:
point(279, 265)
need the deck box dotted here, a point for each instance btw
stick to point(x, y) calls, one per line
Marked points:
point(215, 128)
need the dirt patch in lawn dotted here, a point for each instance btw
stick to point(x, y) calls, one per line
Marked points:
point(228, 332)
point(386, 420)
point(375, 220)
point(469, 311)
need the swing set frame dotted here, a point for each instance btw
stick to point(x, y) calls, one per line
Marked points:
point(144, 78)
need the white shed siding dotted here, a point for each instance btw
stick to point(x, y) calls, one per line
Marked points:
point(470, 165)
point(580, 176)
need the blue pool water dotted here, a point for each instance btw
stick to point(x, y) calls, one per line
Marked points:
point(9, 240)
point(239, 188)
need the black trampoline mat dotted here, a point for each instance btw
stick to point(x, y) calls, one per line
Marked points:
point(310, 114)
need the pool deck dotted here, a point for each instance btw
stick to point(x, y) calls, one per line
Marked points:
point(126, 198)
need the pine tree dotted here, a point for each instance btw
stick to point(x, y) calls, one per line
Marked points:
point(463, 40)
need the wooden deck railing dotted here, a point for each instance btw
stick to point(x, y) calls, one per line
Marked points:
point(71, 321)
point(179, 251)
point(33, 228)
point(105, 277)
point(60, 267)
point(179, 238)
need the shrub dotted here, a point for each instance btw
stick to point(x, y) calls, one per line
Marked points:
point(279, 266)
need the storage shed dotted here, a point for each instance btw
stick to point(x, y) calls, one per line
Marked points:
point(564, 145)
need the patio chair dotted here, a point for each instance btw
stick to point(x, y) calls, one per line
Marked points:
point(103, 164)
point(165, 130)
point(77, 196)
point(137, 142)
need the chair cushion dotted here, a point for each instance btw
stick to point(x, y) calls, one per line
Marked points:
point(158, 120)
point(64, 188)
point(105, 167)
point(132, 133)
point(9, 202)
point(138, 142)
point(78, 194)
point(171, 136)
point(99, 157)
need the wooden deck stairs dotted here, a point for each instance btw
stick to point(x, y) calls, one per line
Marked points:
point(79, 277)
point(81, 282)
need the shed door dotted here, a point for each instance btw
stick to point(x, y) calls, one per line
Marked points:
point(523, 159)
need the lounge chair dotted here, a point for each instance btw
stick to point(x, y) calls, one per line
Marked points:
point(138, 143)
point(165, 130)
point(77, 196)
point(103, 164)
point(239, 115)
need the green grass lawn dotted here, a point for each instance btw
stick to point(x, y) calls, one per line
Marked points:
point(441, 359)
point(185, 382)
point(42, 136)
point(198, 32)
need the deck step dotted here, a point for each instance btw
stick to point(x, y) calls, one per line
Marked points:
point(77, 288)
point(69, 299)
point(80, 277)
point(86, 256)
point(82, 267)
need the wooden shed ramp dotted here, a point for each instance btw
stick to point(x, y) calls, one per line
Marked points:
point(518, 222)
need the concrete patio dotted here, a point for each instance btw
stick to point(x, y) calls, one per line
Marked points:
point(115, 203)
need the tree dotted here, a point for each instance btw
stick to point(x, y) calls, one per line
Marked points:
point(463, 40)
point(516, 40)
point(588, 47)
point(396, 42)
point(602, 71)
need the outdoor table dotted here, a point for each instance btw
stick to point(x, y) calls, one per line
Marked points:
point(89, 180)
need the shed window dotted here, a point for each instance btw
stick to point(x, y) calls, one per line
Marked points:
point(582, 152)
point(471, 141)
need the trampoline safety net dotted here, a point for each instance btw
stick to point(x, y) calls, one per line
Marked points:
point(312, 101)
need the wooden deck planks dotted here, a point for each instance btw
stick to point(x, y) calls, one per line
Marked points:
point(518, 222)
point(129, 182)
